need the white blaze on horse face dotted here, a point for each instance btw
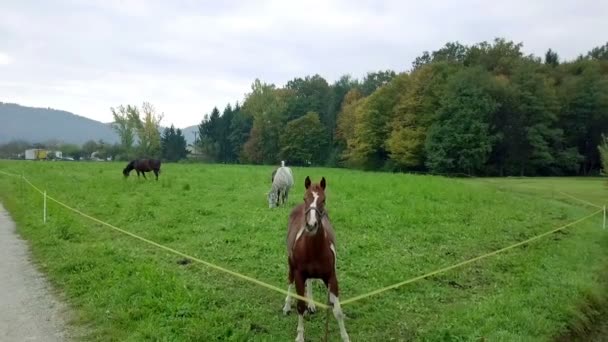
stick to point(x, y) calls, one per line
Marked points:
point(312, 215)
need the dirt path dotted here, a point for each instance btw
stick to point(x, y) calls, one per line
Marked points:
point(28, 310)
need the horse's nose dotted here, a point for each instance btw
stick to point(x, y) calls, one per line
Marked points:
point(311, 225)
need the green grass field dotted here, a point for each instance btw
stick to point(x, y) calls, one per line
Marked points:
point(390, 227)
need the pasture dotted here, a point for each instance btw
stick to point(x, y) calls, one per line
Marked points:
point(390, 227)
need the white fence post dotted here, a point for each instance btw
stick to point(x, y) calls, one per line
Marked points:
point(44, 215)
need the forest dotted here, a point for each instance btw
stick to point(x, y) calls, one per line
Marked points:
point(486, 109)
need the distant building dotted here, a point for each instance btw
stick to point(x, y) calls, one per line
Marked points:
point(35, 154)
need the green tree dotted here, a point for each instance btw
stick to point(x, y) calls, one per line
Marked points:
point(460, 140)
point(240, 129)
point(173, 144)
point(310, 93)
point(71, 150)
point(149, 135)
point(415, 113)
point(375, 80)
point(531, 130)
point(551, 58)
point(345, 130)
point(226, 150)
point(338, 92)
point(367, 148)
point(13, 148)
point(584, 109)
point(303, 140)
point(603, 149)
point(89, 147)
point(124, 127)
point(599, 53)
point(451, 52)
point(267, 105)
point(499, 57)
point(209, 135)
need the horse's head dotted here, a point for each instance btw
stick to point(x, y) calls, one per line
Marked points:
point(314, 204)
point(128, 169)
point(273, 199)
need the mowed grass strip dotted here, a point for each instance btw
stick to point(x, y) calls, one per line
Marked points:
point(390, 227)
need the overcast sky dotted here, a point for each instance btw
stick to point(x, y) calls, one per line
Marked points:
point(187, 56)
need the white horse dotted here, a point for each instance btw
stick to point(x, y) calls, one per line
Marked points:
point(282, 181)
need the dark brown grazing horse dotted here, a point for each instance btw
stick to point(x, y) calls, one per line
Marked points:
point(143, 166)
point(311, 249)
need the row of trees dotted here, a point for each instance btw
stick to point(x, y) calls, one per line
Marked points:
point(485, 109)
point(172, 144)
point(140, 137)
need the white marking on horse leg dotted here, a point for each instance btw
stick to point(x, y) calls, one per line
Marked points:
point(312, 308)
point(333, 299)
point(312, 215)
point(300, 330)
point(288, 300)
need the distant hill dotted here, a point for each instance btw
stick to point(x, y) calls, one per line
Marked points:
point(189, 133)
point(43, 124)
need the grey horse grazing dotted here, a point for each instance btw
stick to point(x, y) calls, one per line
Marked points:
point(282, 181)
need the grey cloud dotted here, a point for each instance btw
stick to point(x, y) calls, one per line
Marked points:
point(188, 56)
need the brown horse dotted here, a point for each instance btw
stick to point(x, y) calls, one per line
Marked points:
point(311, 249)
point(143, 166)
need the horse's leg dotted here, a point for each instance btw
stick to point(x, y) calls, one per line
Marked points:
point(137, 173)
point(333, 301)
point(144, 174)
point(312, 308)
point(156, 173)
point(288, 299)
point(300, 284)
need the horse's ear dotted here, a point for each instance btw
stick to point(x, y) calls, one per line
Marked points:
point(307, 182)
point(323, 183)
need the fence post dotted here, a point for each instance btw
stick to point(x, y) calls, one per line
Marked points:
point(44, 215)
point(21, 189)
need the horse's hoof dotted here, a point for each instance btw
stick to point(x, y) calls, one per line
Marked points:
point(312, 308)
point(300, 338)
point(286, 310)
